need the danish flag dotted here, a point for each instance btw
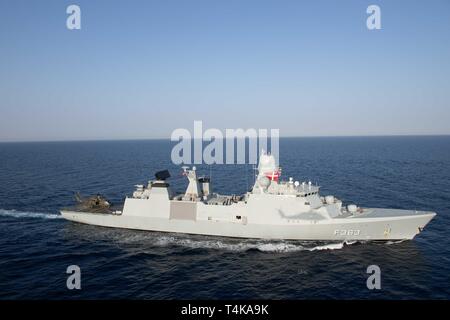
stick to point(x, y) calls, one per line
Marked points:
point(274, 175)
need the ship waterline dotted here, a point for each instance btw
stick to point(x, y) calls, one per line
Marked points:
point(357, 229)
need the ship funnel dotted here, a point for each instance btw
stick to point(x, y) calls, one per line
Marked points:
point(205, 186)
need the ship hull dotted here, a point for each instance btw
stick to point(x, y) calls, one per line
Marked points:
point(364, 228)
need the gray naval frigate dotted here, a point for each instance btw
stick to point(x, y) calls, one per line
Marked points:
point(272, 209)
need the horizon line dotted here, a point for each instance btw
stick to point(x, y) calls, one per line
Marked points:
point(281, 137)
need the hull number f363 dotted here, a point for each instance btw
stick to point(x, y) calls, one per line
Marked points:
point(344, 232)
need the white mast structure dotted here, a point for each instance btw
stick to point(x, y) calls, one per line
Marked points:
point(192, 192)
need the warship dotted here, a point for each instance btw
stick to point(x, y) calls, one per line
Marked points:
point(272, 209)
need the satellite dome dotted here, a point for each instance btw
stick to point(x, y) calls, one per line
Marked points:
point(352, 208)
point(267, 163)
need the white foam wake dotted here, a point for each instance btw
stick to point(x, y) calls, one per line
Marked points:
point(26, 214)
point(394, 241)
point(264, 246)
point(333, 246)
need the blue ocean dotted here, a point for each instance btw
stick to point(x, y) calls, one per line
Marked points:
point(37, 246)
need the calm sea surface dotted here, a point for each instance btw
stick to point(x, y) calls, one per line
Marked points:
point(36, 245)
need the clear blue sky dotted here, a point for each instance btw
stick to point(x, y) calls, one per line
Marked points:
point(140, 69)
